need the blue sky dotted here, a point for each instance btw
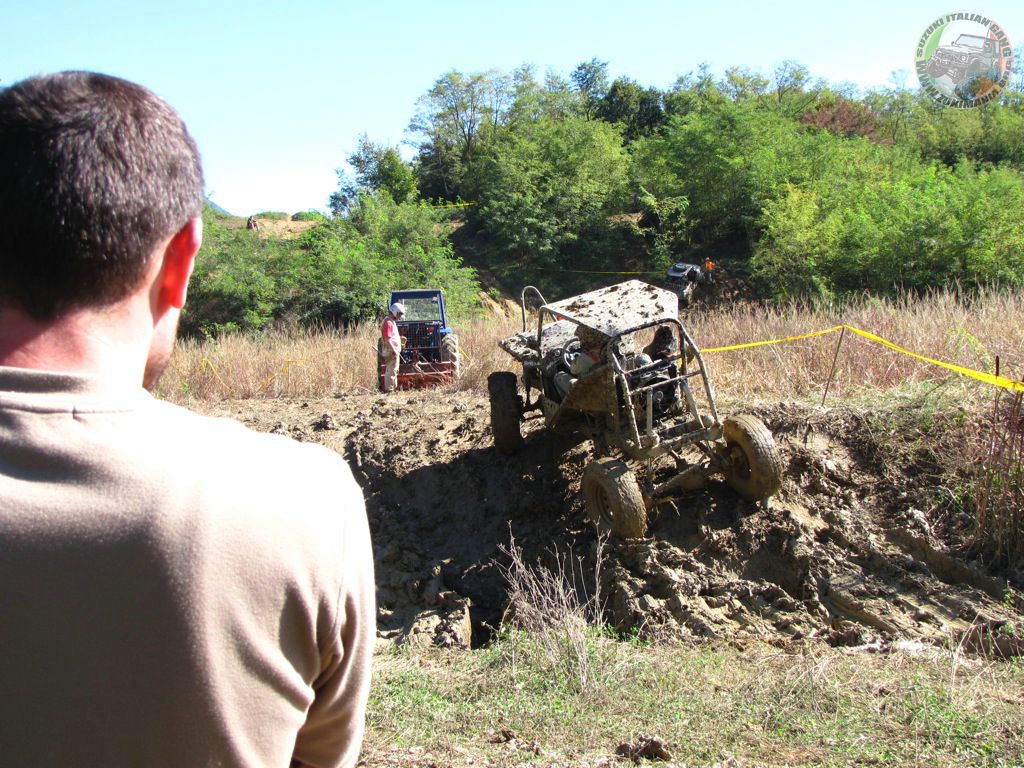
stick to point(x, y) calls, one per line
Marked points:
point(276, 94)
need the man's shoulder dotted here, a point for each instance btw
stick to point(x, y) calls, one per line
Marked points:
point(224, 431)
point(269, 489)
point(224, 451)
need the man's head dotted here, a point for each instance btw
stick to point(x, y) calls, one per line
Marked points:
point(96, 173)
point(589, 337)
point(397, 310)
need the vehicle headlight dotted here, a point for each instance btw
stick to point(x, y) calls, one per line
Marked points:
point(963, 57)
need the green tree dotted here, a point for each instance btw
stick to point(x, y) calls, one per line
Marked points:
point(947, 134)
point(727, 159)
point(740, 84)
point(229, 288)
point(452, 118)
point(1003, 134)
point(335, 274)
point(590, 80)
point(881, 219)
point(379, 168)
point(544, 185)
point(691, 92)
point(636, 108)
point(790, 85)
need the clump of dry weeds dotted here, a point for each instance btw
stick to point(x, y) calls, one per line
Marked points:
point(558, 608)
point(999, 486)
point(970, 332)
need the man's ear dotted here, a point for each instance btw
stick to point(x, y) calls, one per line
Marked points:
point(179, 259)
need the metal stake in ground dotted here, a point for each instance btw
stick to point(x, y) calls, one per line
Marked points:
point(831, 375)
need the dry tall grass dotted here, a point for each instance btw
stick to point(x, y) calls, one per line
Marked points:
point(555, 606)
point(971, 333)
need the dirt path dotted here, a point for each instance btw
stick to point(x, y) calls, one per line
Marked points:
point(844, 554)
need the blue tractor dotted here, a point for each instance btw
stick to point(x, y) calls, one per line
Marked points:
point(430, 350)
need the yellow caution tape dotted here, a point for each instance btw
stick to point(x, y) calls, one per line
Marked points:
point(988, 378)
point(288, 363)
point(452, 205)
point(463, 355)
point(205, 364)
point(750, 344)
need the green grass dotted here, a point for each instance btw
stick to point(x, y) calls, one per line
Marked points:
point(508, 704)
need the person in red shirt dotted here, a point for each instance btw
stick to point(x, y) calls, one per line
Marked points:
point(392, 345)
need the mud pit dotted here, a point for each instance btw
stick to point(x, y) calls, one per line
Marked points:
point(842, 554)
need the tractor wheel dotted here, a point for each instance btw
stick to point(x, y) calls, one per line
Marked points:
point(506, 411)
point(613, 498)
point(754, 465)
point(450, 353)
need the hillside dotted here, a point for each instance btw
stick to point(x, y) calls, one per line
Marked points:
point(283, 228)
point(849, 557)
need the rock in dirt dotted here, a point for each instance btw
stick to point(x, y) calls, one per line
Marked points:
point(644, 748)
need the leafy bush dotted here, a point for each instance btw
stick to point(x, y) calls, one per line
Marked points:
point(729, 160)
point(275, 215)
point(878, 219)
point(335, 274)
point(309, 216)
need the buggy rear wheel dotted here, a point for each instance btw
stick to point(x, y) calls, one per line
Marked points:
point(613, 498)
point(753, 463)
point(506, 411)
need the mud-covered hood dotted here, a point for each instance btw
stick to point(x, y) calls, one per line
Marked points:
point(619, 308)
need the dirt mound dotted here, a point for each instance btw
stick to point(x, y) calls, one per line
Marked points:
point(500, 306)
point(843, 553)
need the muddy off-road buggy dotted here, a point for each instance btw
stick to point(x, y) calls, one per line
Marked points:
point(685, 278)
point(588, 370)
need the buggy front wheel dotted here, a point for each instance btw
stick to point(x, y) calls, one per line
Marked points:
point(506, 411)
point(613, 499)
point(753, 463)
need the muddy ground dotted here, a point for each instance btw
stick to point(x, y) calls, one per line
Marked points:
point(850, 552)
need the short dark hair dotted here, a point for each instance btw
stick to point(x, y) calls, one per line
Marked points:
point(95, 172)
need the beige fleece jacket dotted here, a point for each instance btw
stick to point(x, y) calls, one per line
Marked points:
point(175, 590)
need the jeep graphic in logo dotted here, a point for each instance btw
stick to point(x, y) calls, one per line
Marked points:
point(964, 60)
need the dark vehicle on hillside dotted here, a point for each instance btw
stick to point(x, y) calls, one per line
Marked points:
point(685, 278)
point(968, 57)
point(615, 365)
point(430, 350)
